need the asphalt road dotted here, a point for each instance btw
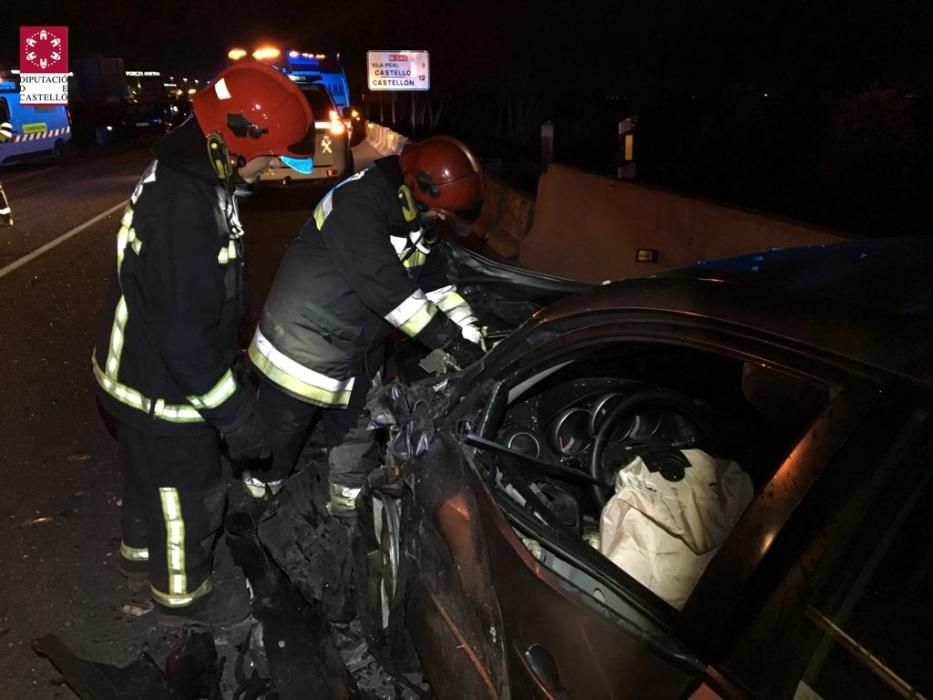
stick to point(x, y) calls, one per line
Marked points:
point(59, 480)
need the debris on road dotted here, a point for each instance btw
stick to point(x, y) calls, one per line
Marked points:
point(137, 610)
point(96, 681)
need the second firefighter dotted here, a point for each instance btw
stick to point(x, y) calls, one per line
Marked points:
point(360, 266)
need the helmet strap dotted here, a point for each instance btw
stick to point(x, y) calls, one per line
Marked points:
point(220, 156)
point(408, 203)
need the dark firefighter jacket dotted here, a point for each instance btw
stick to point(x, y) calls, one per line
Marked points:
point(359, 266)
point(168, 332)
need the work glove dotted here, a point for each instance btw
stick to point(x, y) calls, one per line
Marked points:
point(463, 351)
point(246, 438)
point(475, 334)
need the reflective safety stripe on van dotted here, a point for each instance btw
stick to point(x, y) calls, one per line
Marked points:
point(38, 135)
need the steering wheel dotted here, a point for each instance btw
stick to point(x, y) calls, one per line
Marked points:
point(639, 403)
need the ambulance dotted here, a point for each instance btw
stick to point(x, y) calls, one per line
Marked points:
point(38, 130)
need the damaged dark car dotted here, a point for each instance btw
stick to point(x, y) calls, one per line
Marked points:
point(709, 483)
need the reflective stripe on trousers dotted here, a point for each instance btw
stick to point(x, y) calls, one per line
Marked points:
point(133, 553)
point(173, 487)
point(343, 497)
point(174, 541)
point(177, 594)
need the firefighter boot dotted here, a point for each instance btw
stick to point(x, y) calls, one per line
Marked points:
point(133, 565)
point(227, 605)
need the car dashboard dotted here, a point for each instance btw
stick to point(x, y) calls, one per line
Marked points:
point(560, 425)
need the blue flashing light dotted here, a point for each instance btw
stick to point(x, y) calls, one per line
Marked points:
point(303, 60)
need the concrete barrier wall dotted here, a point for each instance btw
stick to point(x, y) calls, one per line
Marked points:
point(505, 218)
point(589, 227)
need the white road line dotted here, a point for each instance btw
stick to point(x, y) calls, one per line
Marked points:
point(61, 239)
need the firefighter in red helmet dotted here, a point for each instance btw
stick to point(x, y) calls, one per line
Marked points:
point(167, 338)
point(360, 266)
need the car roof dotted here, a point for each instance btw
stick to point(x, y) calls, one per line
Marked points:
point(870, 301)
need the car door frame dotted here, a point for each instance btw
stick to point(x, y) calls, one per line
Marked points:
point(855, 392)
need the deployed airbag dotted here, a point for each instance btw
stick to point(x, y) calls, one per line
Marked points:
point(664, 533)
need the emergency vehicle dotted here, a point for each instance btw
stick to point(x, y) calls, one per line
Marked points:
point(324, 83)
point(333, 157)
point(38, 130)
point(320, 69)
point(306, 68)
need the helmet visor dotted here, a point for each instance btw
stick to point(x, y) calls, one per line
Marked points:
point(301, 165)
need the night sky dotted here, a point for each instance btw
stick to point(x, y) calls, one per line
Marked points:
point(818, 110)
point(562, 45)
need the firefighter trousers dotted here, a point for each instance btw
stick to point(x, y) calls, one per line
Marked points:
point(172, 512)
point(352, 451)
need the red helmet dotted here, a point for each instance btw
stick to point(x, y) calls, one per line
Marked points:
point(442, 174)
point(258, 111)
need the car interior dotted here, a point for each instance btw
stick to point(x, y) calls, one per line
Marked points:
point(646, 452)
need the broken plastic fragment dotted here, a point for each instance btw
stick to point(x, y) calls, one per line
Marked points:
point(136, 610)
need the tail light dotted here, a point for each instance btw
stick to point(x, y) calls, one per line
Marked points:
point(336, 125)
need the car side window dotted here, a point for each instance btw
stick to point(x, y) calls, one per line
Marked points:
point(665, 528)
point(4, 110)
point(871, 623)
point(682, 438)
